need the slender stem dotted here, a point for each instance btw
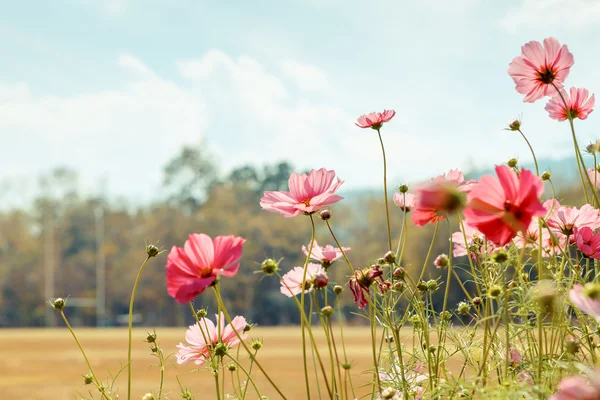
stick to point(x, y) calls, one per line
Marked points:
point(537, 169)
point(372, 305)
point(137, 280)
point(339, 246)
point(302, 323)
point(385, 194)
point(89, 365)
point(248, 374)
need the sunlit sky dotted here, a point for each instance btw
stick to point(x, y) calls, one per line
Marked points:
point(115, 88)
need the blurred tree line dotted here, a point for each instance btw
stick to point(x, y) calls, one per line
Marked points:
point(60, 229)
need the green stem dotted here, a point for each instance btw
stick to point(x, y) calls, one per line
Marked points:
point(537, 169)
point(372, 305)
point(385, 194)
point(131, 300)
point(248, 374)
point(302, 324)
point(339, 246)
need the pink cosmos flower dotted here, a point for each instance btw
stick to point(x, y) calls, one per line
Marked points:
point(578, 388)
point(578, 104)
point(564, 220)
point(362, 280)
point(406, 201)
point(538, 67)
point(476, 242)
point(587, 242)
point(439, 196)
point(579, 296)
point(500, 208)
point(202, 343)
point(375, 120)
point(594, 176)
point(196, 266)
point(308, 193)
point(291, 283)
point(325, 255)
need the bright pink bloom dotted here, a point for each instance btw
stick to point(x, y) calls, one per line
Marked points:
point(537, 68)
point(577, 388)
point(578, 104)
point(581, 300)
point(308, 193)
point(406, 201)
point(197, 265)
point(587, 242)
point(291, 283)
point(325, 255)
point(375, 120)
point(199, 348)
point(476, 242)
point(439, 196)
point(362, 280)
point(500, 208)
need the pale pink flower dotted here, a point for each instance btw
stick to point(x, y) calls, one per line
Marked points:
point(196, 266)
point(476, 242)
point(594, 176)
point(291, 283)
point(579, 296)
point(578, 388)
point(537, 68)
point(325, 255)
point(406, 201)
point(308, 193)
point(201, 343)
point(565, 219)
point(501, 207)
point(439, 196)
point(577, 101)
point(531, 238)
point(375, 120)
point(587, 242)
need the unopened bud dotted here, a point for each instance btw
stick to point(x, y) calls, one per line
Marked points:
point(380, 261)
point(321, 280)
point(247, 328)
point(546, 176)
point(403, 188)
point(152, 250)
point(325, 215)
point(256, 344)
point(500, 257)
point(432, 285)
point(148, 396)
point(151, 338)
point(512, 162)
point(232, 367)
point(445, 315)
point(269, 266)
point(337, 289)
point(441, 261)
point(422, 286)
point(494, 291)
point(58, 303)
point(463, 308)
point(399, 273)
point(389, 257)
point(399, 286)
point(476, 301)
point(88, 378)
point(388, 393)
point(221, 349)
point(327, 311)
point(201, 313)
point(515, 125)
point(346, 366)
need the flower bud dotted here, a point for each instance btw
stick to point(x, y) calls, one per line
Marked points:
point(380, 261)
point(399, 286)
point(256, 344)
point(515, 125)
point(389, 257)
point(441, 261)
point(512, 163)
point(494, 291)
point(346, 366)
point(232, 367)
point(388, 393)
point(58, 303)
point(247, 328)
point(476, 301)
point(463, 308)
point(445, 315)
point(399, 273)
point(151, 338)
point(500, 257)
point(325, 215)
point(432, 285)
point(572, 345)
point(546, 176)
point(269, 266)
point(422, 286)
point(327, 311)
point(152, 250)
point(221, 349)
point(88, 378)
point(337, 289)
point(321, 280)
point(148, 396)
point(403, 188)
point(201, 313)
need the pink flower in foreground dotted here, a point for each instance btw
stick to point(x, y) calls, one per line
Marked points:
point(537, 68)
point(308, 193)
point(325, 255)
point(441, 195)
point(201, 343)
point(375, 120)
point(196, 266)
point(500, 208)
point(586, 298)
point(577, 388)
point(362, 280)
point(578, 104)
point(291, 283)
point(406, 201)
point(587, 242)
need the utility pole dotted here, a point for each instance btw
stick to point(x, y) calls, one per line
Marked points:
point(49, 262)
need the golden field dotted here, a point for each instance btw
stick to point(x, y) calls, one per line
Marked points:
point(46, 363)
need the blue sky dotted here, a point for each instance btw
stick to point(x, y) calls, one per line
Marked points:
point(115, 88)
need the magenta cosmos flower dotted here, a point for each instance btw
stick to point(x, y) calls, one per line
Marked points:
point(325, 255)
point(501, 207)
point(201, 343)
point(375, 120)
point(196, 266)
point(587, 242)
point(538, 67)
point(291, 283)
point(308, 193)
point(579, 104)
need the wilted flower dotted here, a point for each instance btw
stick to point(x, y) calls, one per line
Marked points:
point(362, 280)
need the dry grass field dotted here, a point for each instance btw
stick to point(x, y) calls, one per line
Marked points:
point(46, 363)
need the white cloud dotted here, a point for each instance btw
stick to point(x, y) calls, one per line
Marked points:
point(577, 14)
point(307, 77)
